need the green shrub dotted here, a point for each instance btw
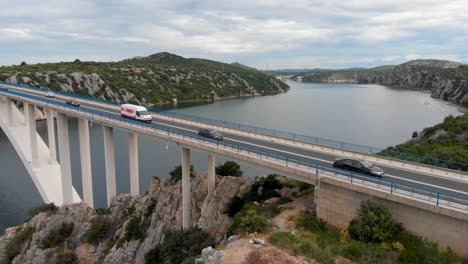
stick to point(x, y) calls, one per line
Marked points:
point(248, 220)
point(133, 230)
point(373, 223)
point(16, 244)
point(354, 251)
point(229, 168)
point(176, 173)
point(48, 208)
point(179, 245)
point(235, 205)
point(57, 236)
point(98, 231)
point(310, 222)
point(65, 258)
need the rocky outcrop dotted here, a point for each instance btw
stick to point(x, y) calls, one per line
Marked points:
point(159, 210)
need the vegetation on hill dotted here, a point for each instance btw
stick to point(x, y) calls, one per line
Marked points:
point(154, 79)
point(447, 141)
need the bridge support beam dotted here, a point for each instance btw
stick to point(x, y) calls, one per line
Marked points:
point(9, 113)
point(25, 113)
point(133, 163)
point(211, 174)
point(30, 113)
point(85, 159)
point(109, 154)
point(51, 136)
point(186, 201)
point(65, 163)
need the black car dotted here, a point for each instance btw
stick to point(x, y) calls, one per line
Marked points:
point(210, 133)
point(360, 166)
point(72, 103)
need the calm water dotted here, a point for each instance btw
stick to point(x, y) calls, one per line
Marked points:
point(362, 114)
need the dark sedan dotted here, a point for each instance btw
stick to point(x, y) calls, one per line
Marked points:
point(360, 166)
point(210, 133)
point(73, 103)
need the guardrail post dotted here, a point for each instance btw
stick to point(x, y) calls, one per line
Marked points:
point(438, 196)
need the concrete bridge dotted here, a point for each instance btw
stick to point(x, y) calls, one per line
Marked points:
point(416, 193)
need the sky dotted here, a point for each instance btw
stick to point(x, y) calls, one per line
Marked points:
point(265, 34)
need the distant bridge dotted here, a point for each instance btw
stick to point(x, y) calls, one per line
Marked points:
point(435, 190)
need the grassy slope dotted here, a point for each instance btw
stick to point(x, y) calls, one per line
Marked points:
point(166, 76)
point(447, 147)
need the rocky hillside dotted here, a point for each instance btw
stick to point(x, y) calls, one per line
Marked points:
point(447, 80)
point(155, 79)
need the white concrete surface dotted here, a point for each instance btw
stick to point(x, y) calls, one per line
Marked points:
point(133, 163)
point(51, 136)
point(85, 159)
point(109, 155)
point(65, 161)
point(186, 193)
point(46, 177)
point(32, 134)
point(211, 173)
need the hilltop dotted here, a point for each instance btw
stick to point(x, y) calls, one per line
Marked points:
point(153, 79)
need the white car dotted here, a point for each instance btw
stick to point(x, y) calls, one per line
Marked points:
point(135, 112)
point(50, 94)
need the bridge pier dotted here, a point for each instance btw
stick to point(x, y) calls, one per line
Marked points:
point(211, 174)
point(51, 136)
point(186, 201)
point(85, 159)
point(9, 111)
point(65, 163)
point(109, 154)
point(30, 113)
point(133, 163)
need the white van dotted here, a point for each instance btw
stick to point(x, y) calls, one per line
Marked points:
point(135, 112)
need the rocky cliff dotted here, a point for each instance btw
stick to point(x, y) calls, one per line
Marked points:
point(132, 225)
point(156, 79)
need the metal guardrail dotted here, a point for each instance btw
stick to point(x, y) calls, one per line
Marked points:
point(285, 135)
point(433, 197)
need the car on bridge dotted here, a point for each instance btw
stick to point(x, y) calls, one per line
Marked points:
point(50, 94)
point(73, 102)
point(210, 133)
point(135, 112)
point(360, 166)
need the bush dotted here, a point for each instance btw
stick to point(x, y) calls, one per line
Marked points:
point(57, 236)
point(65, 258)
point(48, 208)
point(98, 231)
point(373, 224)
point(179, 245)
point(176, 173)
point(133, 230)
point(235, 205)
point(310, 222)
point(354, 251)
point(248, 220)
point(14, 246)
point(229, 168)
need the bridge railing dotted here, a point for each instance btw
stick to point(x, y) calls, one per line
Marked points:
point(453, 165)
point(429, 196)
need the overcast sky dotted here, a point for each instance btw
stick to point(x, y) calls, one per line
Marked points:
point(258, 33)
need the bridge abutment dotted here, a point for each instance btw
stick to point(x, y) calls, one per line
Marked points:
point(133, 163)
point(109, 155)
point(85, 159)
point(65, 162)
point(186, 195)
point(338, 203)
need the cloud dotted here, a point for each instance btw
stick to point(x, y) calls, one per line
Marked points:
point(14, 34)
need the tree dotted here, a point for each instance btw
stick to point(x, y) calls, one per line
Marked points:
point(229, 168)
point(176, 173)
point(77, 61)
point(415, 134)
point(23, 63)
point(373, 223)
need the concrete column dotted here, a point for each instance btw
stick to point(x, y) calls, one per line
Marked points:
point(8, 109)
point(30, 113)
point(133, 163)
point(51, 136)
point(186, 188)
point(65, 163)
point(25, 111)
point(109, 153)
point(85, 158)
point(211, 174)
